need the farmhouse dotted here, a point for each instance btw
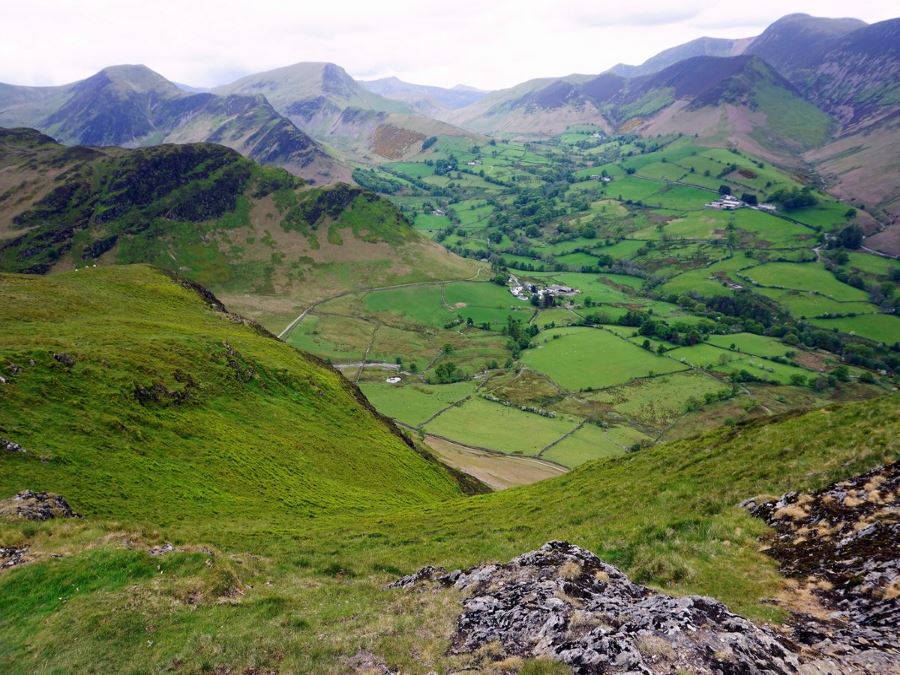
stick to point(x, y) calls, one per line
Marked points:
point(726, 203)
point(474, 162)
point(769, 208)
point(555, 289)
point(438, 212)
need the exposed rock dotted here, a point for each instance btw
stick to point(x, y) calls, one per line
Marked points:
point(159, 394)
point(11, 556)
point(10, 446)
point(428, 573)
point(564, 603)
point(37, 506)
point(366, 663)
point(66, 359)
point(842, 544)
point(162, 550)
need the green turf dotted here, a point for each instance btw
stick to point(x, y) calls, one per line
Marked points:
point(879, 327)
point(587, 357)
point(131, 329)
point(749, 343)
point(804, 277)
point(590, 442)
point(414, 403)
point(486, 424)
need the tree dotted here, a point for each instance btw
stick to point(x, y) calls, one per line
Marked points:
point(798, 380)
point(851, 236)
point(749, 198)
point(724, 190)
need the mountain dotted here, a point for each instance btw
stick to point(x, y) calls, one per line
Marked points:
point(704, 46)
point(541, 106)
point(858, 82)
point(256, 234)
point(740, 100)
point(851, 71)
point(432, 101)
point(324, 101)
point(133, 106)
point(798, 41)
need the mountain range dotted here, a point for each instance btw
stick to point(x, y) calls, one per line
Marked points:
point(806, 93)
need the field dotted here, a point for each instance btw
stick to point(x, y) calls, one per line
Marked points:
point(414, 404)
point(748, 343)
point(879, 327)
point(637, 244)
point(436, 305)
point(590, 442)
point(803, 304)
point(655, 403)
point(804, 277)
point(484, 424)
point(582, 358)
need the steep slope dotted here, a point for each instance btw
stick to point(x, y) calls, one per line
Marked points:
point(286, 591)
point(543, 106)
point(858, 82)
point(432, 101)
point(171, 381)
point(324, 101)
point(133, 106)
point(740, 100)
point(252, 233)
point(729, 100)
point(798, 41)
point(704, 46)
point(858, 79)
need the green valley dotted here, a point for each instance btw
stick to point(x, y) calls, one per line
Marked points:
point(296, 522)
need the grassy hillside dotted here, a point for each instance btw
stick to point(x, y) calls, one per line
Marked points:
point(289, 505)
point(141, 402)
point(253, 233)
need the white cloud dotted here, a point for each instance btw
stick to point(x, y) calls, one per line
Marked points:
point(485, 43)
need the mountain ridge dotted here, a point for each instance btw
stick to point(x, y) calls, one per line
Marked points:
point(131, 106)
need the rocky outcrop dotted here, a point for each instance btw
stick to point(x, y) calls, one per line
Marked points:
point(564, 603)
point(842, 545)
point(37, 506)
point(10, 556)
point(10, 446)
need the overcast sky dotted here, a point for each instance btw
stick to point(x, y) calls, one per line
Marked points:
point(484, 43)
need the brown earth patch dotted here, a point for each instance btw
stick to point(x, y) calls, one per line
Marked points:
point(393, 142)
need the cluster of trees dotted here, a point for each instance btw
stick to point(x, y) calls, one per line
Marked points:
point(794, 198)
point(447, 373)
point(758, 314)
point(372, 180)
point(676, 333)
point(519, 335)
point(850, 237)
